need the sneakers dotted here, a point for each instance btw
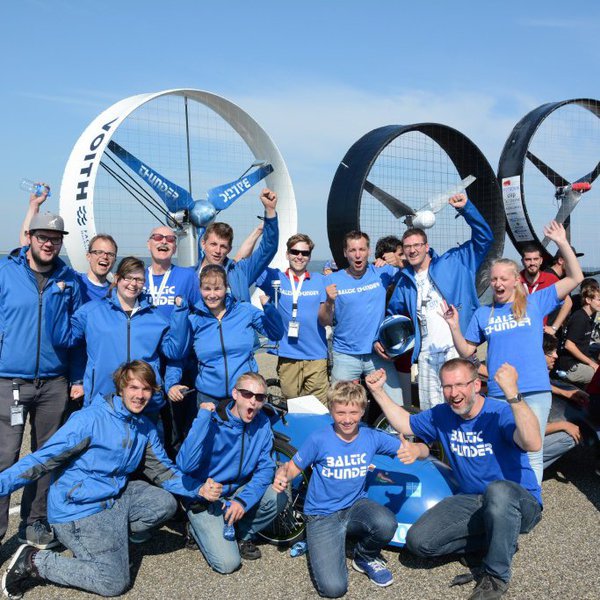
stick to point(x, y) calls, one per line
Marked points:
point(38, 534)
point(489, 588)
point(20, 569)
point(249, 550)
point(375, 570)
point(140, 537)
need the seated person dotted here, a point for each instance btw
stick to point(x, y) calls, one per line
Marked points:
point(486, 442)
point(92, 504)
point(229, 448)
point(577, 358)
point(336, 503)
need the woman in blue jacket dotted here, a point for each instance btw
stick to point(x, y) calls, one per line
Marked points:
point(223, 332)
point(125, 326)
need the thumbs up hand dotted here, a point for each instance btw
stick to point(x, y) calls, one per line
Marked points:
point(408, 451)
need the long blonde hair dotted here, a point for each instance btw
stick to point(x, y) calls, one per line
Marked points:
point(519, 305)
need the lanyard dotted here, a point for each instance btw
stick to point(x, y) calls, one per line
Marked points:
point(156, 294)
point(295, 293)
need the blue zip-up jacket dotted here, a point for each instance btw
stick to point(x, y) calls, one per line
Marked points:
point(91, 457)
point(224, 348)
point(243, 274)
point(27, 315)
point(230, 451)
point(112, 338)
point(453, 273)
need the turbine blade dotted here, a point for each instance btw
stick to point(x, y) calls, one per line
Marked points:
point(395, 206)
point(555, 179)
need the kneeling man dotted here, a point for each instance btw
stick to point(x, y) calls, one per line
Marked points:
point(486, 442)
point(229, 448)
point(92, 504)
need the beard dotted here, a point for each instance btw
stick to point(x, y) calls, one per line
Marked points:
point(39, 261)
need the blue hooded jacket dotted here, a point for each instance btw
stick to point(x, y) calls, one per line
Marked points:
point(91, 457)
point(225, 348)
point(243, 274)
point(112, 338)
point(453, 273)
point(230, 451)
point(26, 316)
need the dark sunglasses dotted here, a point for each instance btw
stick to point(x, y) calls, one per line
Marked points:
point(295, 252)
point(247, 394)
point(159, 237)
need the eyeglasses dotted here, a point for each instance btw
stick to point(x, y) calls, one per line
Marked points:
point(136, 280)
point(44, 239)
point(409, 247)
point(295, 252)
point(103, 252)
point(159, 237)
point(247, 394)
point(461, 387)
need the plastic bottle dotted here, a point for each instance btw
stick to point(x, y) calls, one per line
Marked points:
point(33, 188)
point(298, 549)
point(228, 529)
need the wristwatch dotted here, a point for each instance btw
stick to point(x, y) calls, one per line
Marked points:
point(516, 399)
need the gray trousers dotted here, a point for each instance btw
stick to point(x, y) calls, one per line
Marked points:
point(44, 403)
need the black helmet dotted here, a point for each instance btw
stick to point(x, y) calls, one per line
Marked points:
point(397, 335)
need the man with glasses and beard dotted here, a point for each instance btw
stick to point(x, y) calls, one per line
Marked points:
point(486, 442)
point(34, 380)
point(229, 448)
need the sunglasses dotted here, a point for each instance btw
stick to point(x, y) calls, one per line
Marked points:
point(159, 237)
point(295, 252)
point(247, 394)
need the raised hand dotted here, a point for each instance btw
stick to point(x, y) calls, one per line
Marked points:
point(331, 291)
point(556, 232)
point(458, 200)
point(376, 380)
point(269, 200)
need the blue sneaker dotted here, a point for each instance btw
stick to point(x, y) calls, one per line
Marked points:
point(375, 570)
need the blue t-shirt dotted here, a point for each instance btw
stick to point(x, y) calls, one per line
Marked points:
point(91, 290)
point(181, 281)
point(359, 308)
point(518, 343)
point(311, 343)
point(480, 450)
point(340, 468)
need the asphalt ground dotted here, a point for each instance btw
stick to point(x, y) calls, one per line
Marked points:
point(559, 559)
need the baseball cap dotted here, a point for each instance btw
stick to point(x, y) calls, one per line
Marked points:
point(49, 222)
point(577, 254)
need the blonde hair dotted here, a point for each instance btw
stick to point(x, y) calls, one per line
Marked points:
point(347, 392)
point(519, 305)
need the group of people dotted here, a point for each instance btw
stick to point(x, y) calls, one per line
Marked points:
point(162, 360)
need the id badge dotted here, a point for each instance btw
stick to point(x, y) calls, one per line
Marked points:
point(17, 415)
point(293, 329)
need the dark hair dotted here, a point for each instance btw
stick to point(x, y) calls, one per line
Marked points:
point(300, 237)
point(127, 265)
point(456, 363)
point(356, 235)
point(136, 369)
point(588, 282)
point(386, 244)
point(213, 271)
point(414, 231)
point(103, 236)
point(550, 343)
point(221, 230)
point(530, 247)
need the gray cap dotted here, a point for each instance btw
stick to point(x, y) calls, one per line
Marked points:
point(47, 221)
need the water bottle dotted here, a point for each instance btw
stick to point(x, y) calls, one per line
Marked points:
point(34, 188)
point(298, 549)
point(228, 529)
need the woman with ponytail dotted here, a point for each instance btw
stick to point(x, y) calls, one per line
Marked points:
point(513, 328)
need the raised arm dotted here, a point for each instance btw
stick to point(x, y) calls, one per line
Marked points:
point(527, 432)
point(247, 247)
point(35, 202)
point(464, 347)
point(398, 418)
point(482, 236)
point(574, 276)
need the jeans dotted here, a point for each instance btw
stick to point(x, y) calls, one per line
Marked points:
point(348, 367)
point(99, 543)
point(374, 526)
point(45, 404)
point(489, 522)
point(555, 445)
point(430, 386)
point(539, 403)
point(207, 528)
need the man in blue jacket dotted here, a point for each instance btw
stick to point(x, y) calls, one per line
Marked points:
point(217, 243)
point(429, 284)
point(230, 449)
point(34, 378)
point(92, 504)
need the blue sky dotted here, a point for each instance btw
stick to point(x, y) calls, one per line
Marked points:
point(315, 75)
